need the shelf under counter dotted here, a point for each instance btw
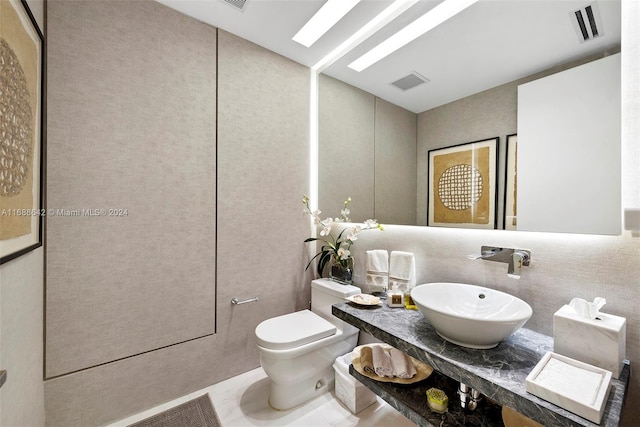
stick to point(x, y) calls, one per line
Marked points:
point(497, 373)
point(411, 401)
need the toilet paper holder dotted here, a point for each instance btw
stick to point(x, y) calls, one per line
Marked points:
point(236, 301)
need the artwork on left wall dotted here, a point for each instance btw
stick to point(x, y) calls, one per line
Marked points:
point(21, 132)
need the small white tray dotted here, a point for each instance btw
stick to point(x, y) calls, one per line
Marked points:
point(364, 299)
point(573, 385)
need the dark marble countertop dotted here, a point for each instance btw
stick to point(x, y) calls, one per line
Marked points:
point(498, 373)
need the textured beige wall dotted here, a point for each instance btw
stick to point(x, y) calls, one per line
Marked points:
point(21, 326)
point(131, 126)
point(346, 150)
point(367, 150)
point(262, 156)
point(395, 164)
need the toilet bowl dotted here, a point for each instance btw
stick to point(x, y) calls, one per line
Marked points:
point(297, 350)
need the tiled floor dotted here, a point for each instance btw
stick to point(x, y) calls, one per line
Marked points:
point(241, 401)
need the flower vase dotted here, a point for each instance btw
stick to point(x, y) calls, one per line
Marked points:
point(341, 270)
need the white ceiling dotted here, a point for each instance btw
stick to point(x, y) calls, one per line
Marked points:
point(490, 43)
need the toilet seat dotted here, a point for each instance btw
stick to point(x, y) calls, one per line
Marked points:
point(293, 330)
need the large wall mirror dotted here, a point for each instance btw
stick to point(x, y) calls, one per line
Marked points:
point(500, 69)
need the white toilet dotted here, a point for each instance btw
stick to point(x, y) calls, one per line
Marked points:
point(297, 350)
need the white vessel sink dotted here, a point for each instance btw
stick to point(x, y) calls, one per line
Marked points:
point(471, 316)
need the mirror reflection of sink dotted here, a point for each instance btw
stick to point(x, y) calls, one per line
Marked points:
point(471, 316)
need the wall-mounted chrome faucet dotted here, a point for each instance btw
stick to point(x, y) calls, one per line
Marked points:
point(486, 252)
point(516, 258)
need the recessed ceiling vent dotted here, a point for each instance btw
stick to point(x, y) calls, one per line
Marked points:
point(587, 23)
point(236, 4)
point(410, 81)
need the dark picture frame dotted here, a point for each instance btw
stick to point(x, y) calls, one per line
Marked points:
point(511, 183)
point(462, 187)
point(22, 144)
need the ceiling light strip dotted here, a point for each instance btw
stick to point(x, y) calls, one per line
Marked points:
point(392, 11)
point(326, 17)
point(420, 26)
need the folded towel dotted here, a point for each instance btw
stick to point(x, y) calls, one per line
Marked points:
point(378, 270)
point(366, 360)
point(402, 364)
point(382, 362)
point(402, 270)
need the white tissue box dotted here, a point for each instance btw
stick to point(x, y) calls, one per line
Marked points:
point(600, 342)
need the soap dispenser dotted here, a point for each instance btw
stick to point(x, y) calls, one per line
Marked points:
point(395, 298)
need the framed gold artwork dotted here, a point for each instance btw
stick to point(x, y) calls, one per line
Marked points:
point(462, 185)
point(21, 134)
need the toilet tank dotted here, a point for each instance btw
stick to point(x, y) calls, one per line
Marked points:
point(325, 293)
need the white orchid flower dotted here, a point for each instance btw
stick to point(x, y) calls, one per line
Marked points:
point(343, 253)
point(335, 247)
point(371, 223)
point(353, 233)
point(326, 226)
point(344, 214)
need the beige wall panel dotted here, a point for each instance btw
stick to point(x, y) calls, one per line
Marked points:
point(395, 164)
point(113, 391)
point(263, 171)
point(131, 125)
point(346, 150)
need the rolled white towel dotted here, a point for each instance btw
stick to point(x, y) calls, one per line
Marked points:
point(402, 364)
point(402, 270)
point(377, 270)
point(382, 362)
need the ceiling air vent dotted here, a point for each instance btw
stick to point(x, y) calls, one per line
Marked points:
point(410, 81)
point(236, 4)
point(586, 21)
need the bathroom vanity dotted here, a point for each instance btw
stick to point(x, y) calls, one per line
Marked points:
point(498, 373)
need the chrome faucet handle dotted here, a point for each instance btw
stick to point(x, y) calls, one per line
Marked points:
point(519, 258)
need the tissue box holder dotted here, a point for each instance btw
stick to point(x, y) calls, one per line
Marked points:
point(600, 342)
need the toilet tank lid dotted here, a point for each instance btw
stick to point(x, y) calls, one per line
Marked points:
point(334, 288)
point(293, 330)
